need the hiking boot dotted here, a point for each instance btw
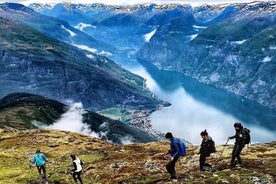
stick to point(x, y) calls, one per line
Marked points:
point(240, 165)
point(173, 178)
point(213, 168)
point(232, 164)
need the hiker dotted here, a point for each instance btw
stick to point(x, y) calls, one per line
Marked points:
point(77, 170)
point(40, 160)
point(174, 151)
point(239, 144)
point(206, 148)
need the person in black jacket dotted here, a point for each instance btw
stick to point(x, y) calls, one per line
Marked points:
point(239, 144)
point(206, 148)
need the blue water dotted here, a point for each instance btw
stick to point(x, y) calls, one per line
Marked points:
point(196, 107)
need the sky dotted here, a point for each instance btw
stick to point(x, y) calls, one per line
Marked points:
point(131, 2)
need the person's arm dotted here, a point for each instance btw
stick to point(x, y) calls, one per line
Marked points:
point(44, 158)
point(75, 167)
point(33, 160)
point(232, 137)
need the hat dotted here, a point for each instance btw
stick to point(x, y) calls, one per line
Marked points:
point(237, 124)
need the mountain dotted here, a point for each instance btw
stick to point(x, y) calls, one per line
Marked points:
point(133, 163)
point(234, 51)
point(34, 63)
point(228, 46)
point(22, 111)
point(54, 28)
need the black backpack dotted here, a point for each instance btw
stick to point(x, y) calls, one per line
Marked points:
point(246, 136)
point(213, 146)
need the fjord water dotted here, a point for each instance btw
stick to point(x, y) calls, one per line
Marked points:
point(196, 107)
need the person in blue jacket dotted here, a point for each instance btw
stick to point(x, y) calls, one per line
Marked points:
point(40, 161)
point(174, 151)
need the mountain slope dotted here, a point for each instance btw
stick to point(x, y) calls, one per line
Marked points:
point(34, 63)
point(21, 111)
point(53, 28)
point(134, 163)
point(234, 52)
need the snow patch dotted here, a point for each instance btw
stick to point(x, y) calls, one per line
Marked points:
point(149, 35)
point(90, 56)
point(239, 42)
point(69, 31)
point(192, 37)
point(266, 59)
point(82, 26)
point(199, 27)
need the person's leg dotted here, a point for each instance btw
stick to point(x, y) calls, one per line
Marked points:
point(39, 170)
point(79, 177)
point(75, 177)
point(201, 161)
point(173, 176)
point(233, 154)
point(238, 152)
point(44, 172)
point(169, 167)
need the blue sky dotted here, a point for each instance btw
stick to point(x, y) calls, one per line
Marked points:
point(131, 2)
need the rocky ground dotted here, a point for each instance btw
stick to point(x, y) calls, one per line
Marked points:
point(133, 163)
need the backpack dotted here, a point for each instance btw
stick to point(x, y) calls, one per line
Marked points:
point(246, 136)
point(212, 146)
point(39, 160)
point(182, 147)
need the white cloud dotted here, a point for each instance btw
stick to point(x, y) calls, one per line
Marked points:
point(72, 120)
point(84, 47)
point(93, 50)
point(82, 26)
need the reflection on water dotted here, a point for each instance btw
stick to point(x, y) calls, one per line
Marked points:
point(196, 106)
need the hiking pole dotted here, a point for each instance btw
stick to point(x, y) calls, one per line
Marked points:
point(30, 172)
point(224, 146)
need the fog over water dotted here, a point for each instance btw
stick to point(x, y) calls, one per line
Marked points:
point(187, 116)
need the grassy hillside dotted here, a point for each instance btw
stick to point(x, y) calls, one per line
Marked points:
point(134, 163)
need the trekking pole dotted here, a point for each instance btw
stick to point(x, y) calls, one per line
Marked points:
point(30, 171)
point(224, 146)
